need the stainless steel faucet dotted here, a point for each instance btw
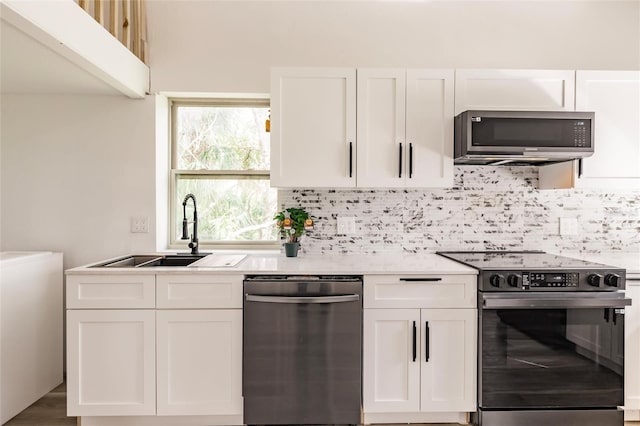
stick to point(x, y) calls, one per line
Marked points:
point(193, 244)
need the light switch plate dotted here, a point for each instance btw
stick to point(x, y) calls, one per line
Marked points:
point(346, 225)
point(568, 226)
point(139, 224)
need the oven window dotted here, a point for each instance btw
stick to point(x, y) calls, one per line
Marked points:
point(559, 358)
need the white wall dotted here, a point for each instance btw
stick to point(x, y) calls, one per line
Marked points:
point(73, 170)
point(230, 45)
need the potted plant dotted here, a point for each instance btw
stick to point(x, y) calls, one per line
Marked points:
point(292, 224)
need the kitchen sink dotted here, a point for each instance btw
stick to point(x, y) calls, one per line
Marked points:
point(174, 260)
point(145, 261)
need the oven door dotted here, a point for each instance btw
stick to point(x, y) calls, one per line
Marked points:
point(551, 351)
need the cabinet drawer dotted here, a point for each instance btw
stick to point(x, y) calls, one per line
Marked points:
point(111, 291)
point(420, 291)
point(199, 291)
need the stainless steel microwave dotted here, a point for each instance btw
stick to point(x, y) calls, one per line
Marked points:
point(522, 137)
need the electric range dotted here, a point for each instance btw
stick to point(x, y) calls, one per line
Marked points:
point(550, 339)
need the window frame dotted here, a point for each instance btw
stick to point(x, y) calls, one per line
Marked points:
point(175, 173)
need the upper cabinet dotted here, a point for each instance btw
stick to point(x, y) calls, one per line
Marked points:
point(615, 98)
point(404, 128)
point(514, 90)
point(313, 127)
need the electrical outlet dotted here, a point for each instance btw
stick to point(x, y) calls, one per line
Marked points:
point(139, 224)
point(346, 225)
point(568, 226)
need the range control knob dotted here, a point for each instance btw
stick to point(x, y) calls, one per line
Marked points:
point(495, 280)
point(612, 280)
point(513, 280)
point(594, 279)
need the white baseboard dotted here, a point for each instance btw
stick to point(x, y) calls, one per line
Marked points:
point(160, 420)
point(373, 418)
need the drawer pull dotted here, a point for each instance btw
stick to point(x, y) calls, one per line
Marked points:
point(420, 279)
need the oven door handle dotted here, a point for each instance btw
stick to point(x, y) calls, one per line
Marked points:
point(533, 302)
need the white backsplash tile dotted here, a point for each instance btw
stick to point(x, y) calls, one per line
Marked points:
point(489, 208)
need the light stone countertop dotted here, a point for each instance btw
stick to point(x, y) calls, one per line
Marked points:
point(11, 257)
point(276, 263)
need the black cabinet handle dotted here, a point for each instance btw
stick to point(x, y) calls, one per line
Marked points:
point(400, 162)
point(606, 314)
point(410, 160)
point(414, 341)
point(615, 317)
point(426, 339)
point(580, 167)
point(421, 279)
point(350, 159)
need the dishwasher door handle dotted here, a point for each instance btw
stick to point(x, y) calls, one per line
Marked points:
point(302, 299)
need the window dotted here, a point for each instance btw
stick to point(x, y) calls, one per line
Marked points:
point(220, 153)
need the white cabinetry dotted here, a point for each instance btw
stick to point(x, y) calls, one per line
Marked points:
point(632, 351)
point(447, 368)
point(419, 365)
point(405, 128)
point(31, 311)
point(175, 363)
point(391, 378)
point(512, 90)
point(111, 362)
point(313, 127)
point(199, 362)
point(199, 351)
point(111, 345)
point(615, 98)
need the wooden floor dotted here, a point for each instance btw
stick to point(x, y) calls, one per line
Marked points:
point(51, 410)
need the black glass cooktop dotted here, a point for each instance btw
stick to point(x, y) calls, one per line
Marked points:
point(513, 260)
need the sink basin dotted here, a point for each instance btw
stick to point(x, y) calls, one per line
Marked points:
point(145, 261)
point(174, 260)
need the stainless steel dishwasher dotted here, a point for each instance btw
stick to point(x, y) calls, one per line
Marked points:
point(302, 350)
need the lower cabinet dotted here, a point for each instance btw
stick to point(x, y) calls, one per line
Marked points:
point(199, 356)
point(111, 359)
point(181, 365)
point(419, 360)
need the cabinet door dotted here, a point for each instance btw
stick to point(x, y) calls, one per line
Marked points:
point(429, 128)
point(111, 362)
point(448, 372)
point(381, 128)
point(391, 376)
point(524, 90)
point(615, 98)
point(313, 127)
point(632, 348)
point(199, 362)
